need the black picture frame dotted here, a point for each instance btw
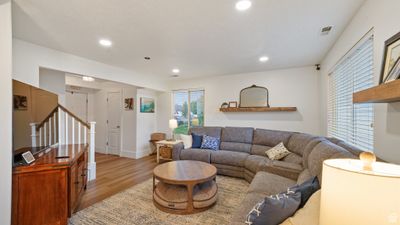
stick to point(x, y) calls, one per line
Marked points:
point(394, 73)
point(388, 43)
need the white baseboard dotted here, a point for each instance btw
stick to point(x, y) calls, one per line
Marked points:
point(128, 154)
point(141, 154)
point(101, 150)
point(91, 171)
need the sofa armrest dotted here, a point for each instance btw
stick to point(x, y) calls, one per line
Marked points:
point(176, 151)
point(284, 169)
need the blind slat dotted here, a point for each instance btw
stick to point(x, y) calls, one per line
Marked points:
point(346, 121)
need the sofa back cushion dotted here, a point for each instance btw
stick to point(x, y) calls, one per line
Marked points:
point(237, 139)
point(271, 137)
point(309, 147)
point(210, 131)
point(264, 139)
point(259, 150)
point(299, 141)
point(323, 151)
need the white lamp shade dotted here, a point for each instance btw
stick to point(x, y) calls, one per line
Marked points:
point(173, 123)
point(351, 195)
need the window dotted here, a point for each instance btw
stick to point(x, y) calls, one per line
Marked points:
point(350, 122)
point(188, 109)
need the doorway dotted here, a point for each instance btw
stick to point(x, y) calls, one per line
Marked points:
point(77, 103)
point(114, 123)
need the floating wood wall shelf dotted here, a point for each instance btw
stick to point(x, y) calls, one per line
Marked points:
point(383, 93)
point(259, 109)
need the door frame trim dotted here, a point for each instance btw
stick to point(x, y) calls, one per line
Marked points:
point(107, 128)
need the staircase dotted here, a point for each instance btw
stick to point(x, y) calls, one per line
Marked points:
point(62, 127)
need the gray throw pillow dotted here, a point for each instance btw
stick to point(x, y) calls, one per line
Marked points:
point(274, 209)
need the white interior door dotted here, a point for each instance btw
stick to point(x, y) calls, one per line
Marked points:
point(77, 103)
point(113, 122)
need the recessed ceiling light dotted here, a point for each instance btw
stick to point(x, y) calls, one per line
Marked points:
point(105, 42)
point(89, 79)
point(176, 71)
point(243, 5)
point(147, 58)
point(263, 58)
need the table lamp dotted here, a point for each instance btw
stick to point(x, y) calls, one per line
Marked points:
point(360, 192)
point(173, 123)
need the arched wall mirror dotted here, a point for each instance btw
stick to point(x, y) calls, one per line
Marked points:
point(254, 96)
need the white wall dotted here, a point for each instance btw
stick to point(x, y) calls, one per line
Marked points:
point(129, 124)
point(27, 58)
point(53, 81)
point(128, 118)
point(384, 17)
point(164, 113)
point(5, 111)
point(290, 87)
point(146, 123)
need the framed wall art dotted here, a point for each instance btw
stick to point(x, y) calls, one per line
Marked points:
point(390, 57)
point(128, 104)
point(147, 105)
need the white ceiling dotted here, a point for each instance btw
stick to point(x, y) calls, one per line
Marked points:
point(201, 37)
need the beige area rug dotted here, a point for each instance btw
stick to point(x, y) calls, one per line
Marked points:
point(134, 206)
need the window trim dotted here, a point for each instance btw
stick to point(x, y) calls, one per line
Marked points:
point(348, 55)
point(188, 92)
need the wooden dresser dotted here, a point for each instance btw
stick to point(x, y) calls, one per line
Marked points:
point(48, 191)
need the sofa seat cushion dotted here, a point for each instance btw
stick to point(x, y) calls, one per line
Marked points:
point(229, 158)
point(270, 184)
point(240, 214)
point(271, 137)
point(196, 154)
point(284, 169)
point(236, 146)
point(254, 162)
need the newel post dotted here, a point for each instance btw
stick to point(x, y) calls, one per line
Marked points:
point(34, 134)
point(92, 163)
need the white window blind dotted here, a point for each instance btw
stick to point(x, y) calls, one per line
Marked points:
point(350, 122)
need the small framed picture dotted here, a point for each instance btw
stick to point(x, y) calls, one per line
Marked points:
point(28, 157)
point(20, 102)
point(128, 104)
point(233, 104)
point(394, 72)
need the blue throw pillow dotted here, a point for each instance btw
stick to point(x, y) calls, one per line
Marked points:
point(210, 143)
point(306, 189)
point(197, 140)
point(274, 209)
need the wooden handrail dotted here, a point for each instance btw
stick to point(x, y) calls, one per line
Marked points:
point(47, 118)
point(74, 116)
point(65, 110)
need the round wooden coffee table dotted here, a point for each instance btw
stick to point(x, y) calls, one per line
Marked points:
point(184, 187)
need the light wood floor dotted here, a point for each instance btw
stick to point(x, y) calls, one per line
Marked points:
point(115, 174)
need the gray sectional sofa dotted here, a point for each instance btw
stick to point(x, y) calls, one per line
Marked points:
point(242, 155)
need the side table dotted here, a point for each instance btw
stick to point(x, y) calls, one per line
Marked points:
point(165, 143)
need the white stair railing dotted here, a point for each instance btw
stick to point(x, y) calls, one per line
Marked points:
point(62, 127)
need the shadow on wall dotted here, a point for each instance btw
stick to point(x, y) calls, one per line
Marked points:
point(393, 118)
point(262, 116)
